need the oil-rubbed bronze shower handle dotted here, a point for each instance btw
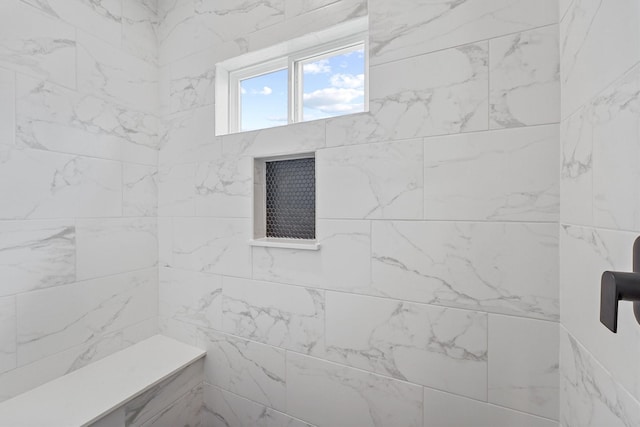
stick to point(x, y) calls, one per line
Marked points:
point(616, 286)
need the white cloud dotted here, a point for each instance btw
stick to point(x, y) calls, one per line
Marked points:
point(243, 90)
point(266, 91)
point(334, 100)
point(318, 67)
point(348, 81)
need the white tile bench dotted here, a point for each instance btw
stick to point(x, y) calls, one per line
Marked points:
point(111, 392)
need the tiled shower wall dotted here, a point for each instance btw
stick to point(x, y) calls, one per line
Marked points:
point(600, 210)
point(78, 199)
point(434, 297)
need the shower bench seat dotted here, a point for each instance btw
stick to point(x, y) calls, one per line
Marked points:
point(94, 394)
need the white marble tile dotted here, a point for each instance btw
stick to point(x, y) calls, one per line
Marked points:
point(191, 297)
point(480, 266)
point(294, 9)
point(140, 190)
point(576, 173)
point(163, 395)
point(41, 184)
point(188, 136)
point(212, 245)
point(102, 18)
point(503, 175)
point(615, 117)
point(585, 254)
point(115, 75)
point(224, 187)
point(56, 319)
point(589, 396)
point(330, 395)
point(599, 41)
point(8, 345)
point(7, 107)
point(35, 44)
point(376, 181)
point(292, 266)
point(224, 409)
point(165, 242)
point(251, 370)
point(439, 93)
point(298, 138)
point(405, 28)
point(185, 411)
point(36, 255)
point(437, 347)
point(190, 82)
point(139, 332)
point(176, 190)
point(524, 82)
point(115, 245)
point(523, 365)
point(139, 27)
point(289, 317)
point(563, 7)
point(27, 377)
point(345, 255)
point(180, 331)
point(448, 410)
point(176, 29)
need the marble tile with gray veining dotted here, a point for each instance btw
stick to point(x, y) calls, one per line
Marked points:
point(524, 84)
point(8, 347)
point(186, 411)
point(224, 187)
point(36, 255)
point(523, 367)
point(330, 395)
point(191, 297)
point(479, 266)
point(212, 245)
point(176, 28)
point(289, 317)
point(189, 83)
point(35, 44)
point(249, 369)
point(176, 190)
point(589, 396)
point(371, 181)
point(432, 346)
point(139, 29)
point(7, 107)
point(188, 137)
point(464, 175)
point(55, 319)
point(140, 190)
point(127, 243)
point(224, 409)
point(162, 395)
point(405, 28)
point(292, 266)
point(102, 18)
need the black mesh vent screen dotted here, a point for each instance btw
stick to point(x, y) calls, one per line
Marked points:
point(291, 199)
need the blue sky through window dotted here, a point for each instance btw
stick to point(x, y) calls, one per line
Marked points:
point(332, 86)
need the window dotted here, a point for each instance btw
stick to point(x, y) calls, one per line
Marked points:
point(298, 81)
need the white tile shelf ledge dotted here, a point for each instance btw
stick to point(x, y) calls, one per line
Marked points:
point(93, 392)
point(301, 244)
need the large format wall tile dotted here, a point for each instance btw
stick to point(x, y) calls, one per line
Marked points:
point(117, 245)
point(448, 410)
point(599, 41)
point(285, 316)
point(464, 175)
point(224, 187)
point(139, 24)
point(188, 83)
point(589, 396)
point(176, 190)
point(8, 345)
point(140, 190)
point(212, 245)
point(249, 369)
point(224, 409)
point(191, 297)
point(188, 136)
point(36, 44)
point(405, 28)
point(36, 255)
point(7, 107)
point(480, 266)
point(330, 395)
point(523, 365)
point(524, 79)
point(59, 318)
point(371, 181)
point(437, 347)
point(292, 266)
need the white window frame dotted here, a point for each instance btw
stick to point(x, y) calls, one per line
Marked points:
point(289, 55)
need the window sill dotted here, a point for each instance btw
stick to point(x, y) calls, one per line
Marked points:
point(305, 245)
